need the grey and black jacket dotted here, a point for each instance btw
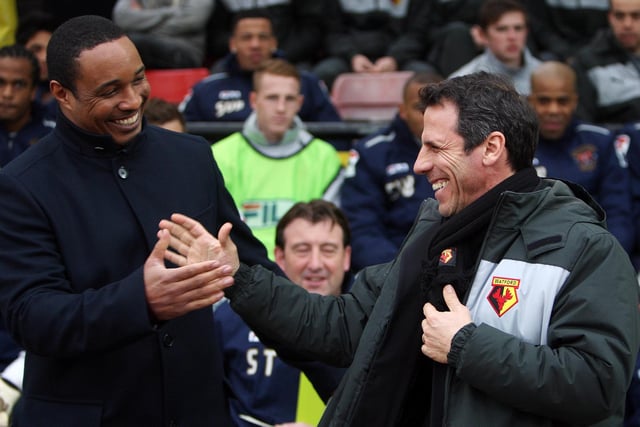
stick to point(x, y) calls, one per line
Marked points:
point(608, 79)
point(559, 351)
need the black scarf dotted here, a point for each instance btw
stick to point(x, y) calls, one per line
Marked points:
point(404, 387)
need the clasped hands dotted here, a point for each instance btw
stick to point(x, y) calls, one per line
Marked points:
point(439, 327)
point(206, 266)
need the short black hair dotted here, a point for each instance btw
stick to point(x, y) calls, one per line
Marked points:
point(19, 51)
point(255, 13)
point(422, 78)
point(31, 23)
point(491, 11)
point(486, 103)
point(72, 38)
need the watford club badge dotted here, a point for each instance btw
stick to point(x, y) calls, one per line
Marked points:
point(448, 257)
point(503, 295)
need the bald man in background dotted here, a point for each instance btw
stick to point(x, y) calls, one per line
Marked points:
point(580, 152)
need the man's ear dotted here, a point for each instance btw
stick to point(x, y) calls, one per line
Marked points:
point(347, 258)
point(494, 148)
point(252, 99)
point(279, 257)
point(300, 102)
point(479, 37)
point(61, 93)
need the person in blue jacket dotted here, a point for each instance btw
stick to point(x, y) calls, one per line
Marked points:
point(628, 143)
point(22, 119)
point(381, 193)
point(224, 96)
point(580, 152)
point(313, 250)
point(113, 335)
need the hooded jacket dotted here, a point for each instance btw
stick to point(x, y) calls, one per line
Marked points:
point(608, 80)
point(487, 61)
point(559, 350)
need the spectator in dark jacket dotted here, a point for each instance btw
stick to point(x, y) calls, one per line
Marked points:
point(224, 96)
point(34, 32)
point(628, 147)
point(374, 38)
point(560, 29)
point(577, 151)
point(167, 33)
point(23, 120)
point(449, 35)
point(296, 24)
point(608, 68)
point(381, 194)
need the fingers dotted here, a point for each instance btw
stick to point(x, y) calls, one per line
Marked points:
point(175, 258)
point(191, 225)
point(428, 308)
point(451, 299)
point(184, 289)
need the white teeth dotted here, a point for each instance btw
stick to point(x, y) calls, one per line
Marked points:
point(438, 185)
point(129, 121)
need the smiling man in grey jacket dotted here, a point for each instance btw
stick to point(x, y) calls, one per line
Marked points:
point(508, 304)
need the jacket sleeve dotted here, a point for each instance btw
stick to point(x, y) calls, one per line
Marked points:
point(587, 94)
point(42, 309)
point(412, 44)
point(363, 201)
point(317, 105)
point(582, 374)
point(191, 16)
point(614, 195)
point(190, 105)
point(296, 322)
point(543, 33)
point(337, 40)
point(305, 35)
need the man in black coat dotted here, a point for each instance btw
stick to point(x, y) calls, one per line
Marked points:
point(114, 337)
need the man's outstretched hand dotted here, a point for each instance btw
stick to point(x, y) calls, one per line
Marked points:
point(192, 243)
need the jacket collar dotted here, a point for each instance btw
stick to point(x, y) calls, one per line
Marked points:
point(92, 144)
point(403, 132)
point(293, 141)
point(231, 66)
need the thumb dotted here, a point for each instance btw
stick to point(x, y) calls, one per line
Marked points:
point(161, 246)
point(450, 298)
point(224, 233)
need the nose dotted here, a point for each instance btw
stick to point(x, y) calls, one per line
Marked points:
point(553, 108)
point(6, 90)
point(423, 163)
point(132, 96)
point(315, 260)
point(254, 42)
